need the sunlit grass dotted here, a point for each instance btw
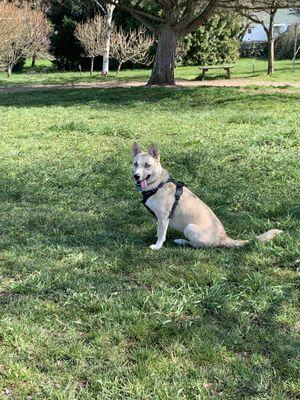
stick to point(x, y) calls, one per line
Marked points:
point(244, 69)
point(88, 311)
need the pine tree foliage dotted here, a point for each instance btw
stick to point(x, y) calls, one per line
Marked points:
point(216, 42)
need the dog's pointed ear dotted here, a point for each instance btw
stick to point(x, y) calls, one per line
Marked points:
point(153, 151)
point(136, 149)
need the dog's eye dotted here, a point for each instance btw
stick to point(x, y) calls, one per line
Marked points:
point(135, 164)
point(147, 165)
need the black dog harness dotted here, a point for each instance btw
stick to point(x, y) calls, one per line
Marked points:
point(178, 193)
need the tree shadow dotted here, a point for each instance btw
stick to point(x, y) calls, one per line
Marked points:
point(96, 238)
point(178, 98)
point(61, 79)
point(111, 213)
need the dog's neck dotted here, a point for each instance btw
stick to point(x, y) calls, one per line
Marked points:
point(163, 176)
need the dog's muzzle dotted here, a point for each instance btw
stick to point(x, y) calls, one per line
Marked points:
point(141, 184)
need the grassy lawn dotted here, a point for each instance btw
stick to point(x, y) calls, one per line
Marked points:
point(243, 70)
point(88, 311)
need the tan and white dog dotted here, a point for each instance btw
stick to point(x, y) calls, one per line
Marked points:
point(192, 217)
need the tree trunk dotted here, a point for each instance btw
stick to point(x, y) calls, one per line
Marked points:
point(295, 47)
point(119, 67)
point(92, 65)
point(164, 63)
point(271, 42)
point(33, 60)
point(271, 56)
point(9, 70)
point(106, 37)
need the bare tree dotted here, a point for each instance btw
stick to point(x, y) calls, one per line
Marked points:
point(107, 9)
point(44, 6)
point(269, 30)
point(6, 27)
point(266, 18)
point(263, 12)
point(296, 45)
point(39, 30)
point(131, 46)
point(23, 31)
point(10, 36)
point(90, 35)
point(107, 35)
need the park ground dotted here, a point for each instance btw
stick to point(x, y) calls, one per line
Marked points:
point(249, 71)
point(88, 311)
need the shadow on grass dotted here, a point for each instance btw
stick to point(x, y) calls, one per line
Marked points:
point(61, 79)
point(168, 98)
point(218, 187)
point(30, 78)
point(83, 246)
point(117, 206)
point(71, 213)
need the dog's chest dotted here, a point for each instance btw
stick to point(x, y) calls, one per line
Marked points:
point(159, 211)
point(152, 205)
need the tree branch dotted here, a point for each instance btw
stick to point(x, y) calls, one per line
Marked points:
point(195, 24)
point(258, 5)
point(139, 12)
point(256, 20)
point(100, 6)
point(187, 15)
point(145, 22)
point(271, 12)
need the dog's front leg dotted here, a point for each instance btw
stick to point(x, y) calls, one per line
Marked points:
point(162, 226)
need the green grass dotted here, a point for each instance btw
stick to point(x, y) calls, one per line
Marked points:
point(249, 69)
point(88, 311)
point(243, 70)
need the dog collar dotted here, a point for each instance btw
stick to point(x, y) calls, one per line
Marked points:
point(148, 193)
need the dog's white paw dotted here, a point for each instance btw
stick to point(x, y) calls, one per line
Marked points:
point(155, 247)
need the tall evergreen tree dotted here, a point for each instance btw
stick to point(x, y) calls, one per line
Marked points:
point(217, 41)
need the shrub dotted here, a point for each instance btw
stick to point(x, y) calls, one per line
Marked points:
point(19, 66)
point(216, 42)
point(285, 44)
point(254, 49)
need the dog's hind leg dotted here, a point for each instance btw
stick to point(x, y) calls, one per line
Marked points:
point(182, 242)
point(199, 237)
point(234, 244)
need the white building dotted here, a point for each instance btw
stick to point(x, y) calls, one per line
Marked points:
point(283, 19)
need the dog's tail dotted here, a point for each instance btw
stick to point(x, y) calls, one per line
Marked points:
point(263, 238)
point(269, 235)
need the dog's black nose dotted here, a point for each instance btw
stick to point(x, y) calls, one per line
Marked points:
point(137, 177)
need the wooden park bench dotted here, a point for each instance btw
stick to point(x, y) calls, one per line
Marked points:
point(227, 68)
